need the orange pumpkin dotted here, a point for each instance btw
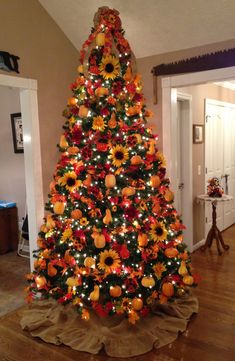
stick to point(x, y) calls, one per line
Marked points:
point(76, 214)
point(155, 181)
point(99, 240)
point(128, 191)
point(168, 289)
point(171, 252)
point(137, 304)
point(110, 181)
point(101, 91)
point(72, 101)
point(51, 270)
point(63, 142)
point(59, 207)
point(73, 150)
point(80, 69)
point(148, 282)
point(142, 239)
point(89, 262)
point(83, 111)
point(40, 281)
point(136, 160)
point(188, 280)
point(100, 39)
point(115, 291)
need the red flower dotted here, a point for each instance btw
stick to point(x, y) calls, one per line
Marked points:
point(78, 168)
point(99, 310)
point(144, 312)
point(108, 306)
point(124, 252)
point(197, 278)
point(131, 88)
point(94, 69)
point(102, 147)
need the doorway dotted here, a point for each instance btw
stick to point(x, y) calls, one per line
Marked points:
point(32, 154)
point(169, 96)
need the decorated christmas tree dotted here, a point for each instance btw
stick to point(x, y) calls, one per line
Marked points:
point(111, 242)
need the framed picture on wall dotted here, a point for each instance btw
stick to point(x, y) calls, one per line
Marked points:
point(17, 132)
point(198, 133)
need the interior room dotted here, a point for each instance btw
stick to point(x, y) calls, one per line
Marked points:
point(117, 187)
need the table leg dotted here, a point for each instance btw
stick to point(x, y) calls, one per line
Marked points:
point(225, 246)
point(214, 233)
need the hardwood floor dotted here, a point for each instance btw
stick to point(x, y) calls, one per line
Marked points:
point(12, 281)
point(210, 335)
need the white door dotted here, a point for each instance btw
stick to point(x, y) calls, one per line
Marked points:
point(219, 157)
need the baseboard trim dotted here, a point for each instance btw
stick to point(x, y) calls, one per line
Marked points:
point(199, 244)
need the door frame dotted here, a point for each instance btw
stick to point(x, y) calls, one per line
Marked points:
point(32, 153)
point(187, 212)
point(169, 87)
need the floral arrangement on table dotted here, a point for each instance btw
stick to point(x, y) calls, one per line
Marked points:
point(214, 188)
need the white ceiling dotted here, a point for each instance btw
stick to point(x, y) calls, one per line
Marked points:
point(152, 26)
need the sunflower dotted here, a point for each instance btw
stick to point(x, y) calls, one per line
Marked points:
point(158, 231)
point(98, 123)
point(119, 155)
point(159, 268)
point(70, 181)
point(109, 67)
point(109, 261)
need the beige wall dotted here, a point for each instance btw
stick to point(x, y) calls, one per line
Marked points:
point(199, 94)
point(12, 180)
point(47, 56)
point(145, 65)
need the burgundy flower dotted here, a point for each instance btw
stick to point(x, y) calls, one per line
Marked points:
point(137, 97)
point(131, 213)
point(104, 112)
point(86, 153)
point(76, 135)
point(117, 88)
point(94, 190)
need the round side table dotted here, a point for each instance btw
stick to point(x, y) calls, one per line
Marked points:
point(214, 232)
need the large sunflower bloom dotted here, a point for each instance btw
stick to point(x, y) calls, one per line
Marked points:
point(70, 181)
point(109, 261)
point(119, 155)
point(158, 231)
point(109, 67)
point(99, 123)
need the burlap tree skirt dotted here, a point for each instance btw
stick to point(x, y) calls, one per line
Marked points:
point(59, 324)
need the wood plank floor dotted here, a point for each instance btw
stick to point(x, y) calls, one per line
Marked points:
point(209, 337)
